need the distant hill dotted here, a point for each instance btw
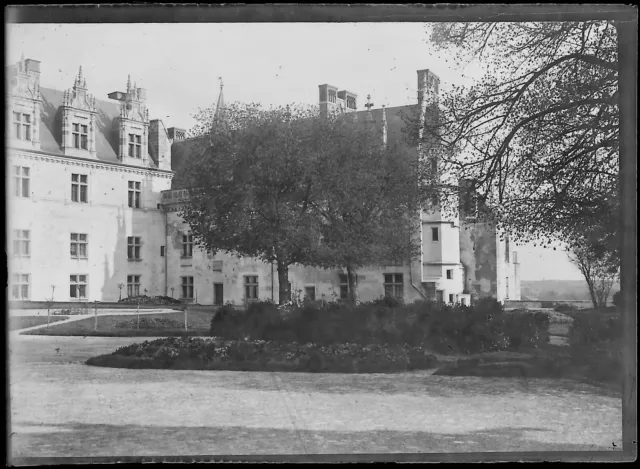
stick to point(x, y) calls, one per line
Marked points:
point(553, 290)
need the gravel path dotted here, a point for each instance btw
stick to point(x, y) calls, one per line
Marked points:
point(61, 407)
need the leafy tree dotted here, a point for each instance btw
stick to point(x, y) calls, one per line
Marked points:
point(251, 188)
point(538, 135)
point(368, 204)
point(598, 271)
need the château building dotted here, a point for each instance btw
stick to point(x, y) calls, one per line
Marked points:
point(93, 210)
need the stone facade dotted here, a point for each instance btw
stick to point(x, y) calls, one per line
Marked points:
point(94, 211)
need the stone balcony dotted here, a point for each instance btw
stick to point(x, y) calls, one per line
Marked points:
point(175, 195)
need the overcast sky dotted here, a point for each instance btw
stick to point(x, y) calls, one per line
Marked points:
point(274, 64)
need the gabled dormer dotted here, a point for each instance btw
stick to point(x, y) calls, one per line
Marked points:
point(131, 127)
point(79, 120)
point(25, 104)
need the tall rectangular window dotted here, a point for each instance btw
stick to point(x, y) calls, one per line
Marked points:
point(507, 254)
point(251, 287)
point(135, 146)
point(449, 274)
point(187, 288)
point(78, 287)
point(161, 251)
point(79, 245)
point(21, 243)
point(134, 194)
point(79, 188)
point(187, 245)
point(20, 286)
point(133, 285)
point(394, 286)
point(133, 247)
point(344, 286)
point(22, 126)
point(435, 235)
point(21, 178)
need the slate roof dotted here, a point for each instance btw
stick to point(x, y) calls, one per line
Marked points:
point(51, 127)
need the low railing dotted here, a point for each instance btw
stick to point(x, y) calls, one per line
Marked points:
point(175, 195)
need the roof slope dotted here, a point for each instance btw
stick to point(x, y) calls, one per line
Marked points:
point(106, 137)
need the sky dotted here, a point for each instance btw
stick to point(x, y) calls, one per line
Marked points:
point(272, 63)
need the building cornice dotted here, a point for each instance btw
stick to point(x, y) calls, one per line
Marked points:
point(90, 163)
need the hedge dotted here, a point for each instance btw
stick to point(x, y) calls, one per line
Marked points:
point(441, 327)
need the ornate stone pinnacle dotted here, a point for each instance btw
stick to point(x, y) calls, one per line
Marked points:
point(369, 104)
point(128, 83)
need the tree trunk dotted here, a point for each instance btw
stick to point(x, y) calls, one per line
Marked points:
point(353, 286)
point(592, 293)
point(284, 293)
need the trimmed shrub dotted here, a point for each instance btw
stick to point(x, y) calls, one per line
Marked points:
point(617, 299)
point(154, 300)
point(150, 323)
point(595, 327)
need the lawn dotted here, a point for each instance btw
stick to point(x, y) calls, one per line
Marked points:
point(22, 322)
point(198, 323)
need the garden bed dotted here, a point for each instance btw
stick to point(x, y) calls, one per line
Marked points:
point(213, 354)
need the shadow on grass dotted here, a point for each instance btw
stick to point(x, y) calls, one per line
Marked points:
point(34, 439)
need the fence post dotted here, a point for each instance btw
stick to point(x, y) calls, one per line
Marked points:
point(48, 310)
point(185, 318)
point(138, 316)
point(95, 316)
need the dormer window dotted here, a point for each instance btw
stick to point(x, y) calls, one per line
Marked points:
point(80, 136)
point(135, 146)
point(22, 125)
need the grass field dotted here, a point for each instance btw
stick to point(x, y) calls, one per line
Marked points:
point(198, 323)
point(22, 322)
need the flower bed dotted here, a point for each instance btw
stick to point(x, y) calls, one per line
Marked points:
point(150, 300)
point(70, 312)
point(151, 323)
point(210, 353)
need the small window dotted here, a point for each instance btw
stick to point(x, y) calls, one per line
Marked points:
point(79, 188)
point(134, 194)
point(449, 274)
point(133, 285)
point(251, 287)
point(187, 245)
point(394, 286)
point(20, 286)
point(135, 146)
point(161, 251)
point(310, 293)
point(21, 243)
point(78, 286)
point(133, 247)
point(187, 288)
point(435, 235)
point(79, 244)
point(80, 136)
point(22, 126)
point(21, 178)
